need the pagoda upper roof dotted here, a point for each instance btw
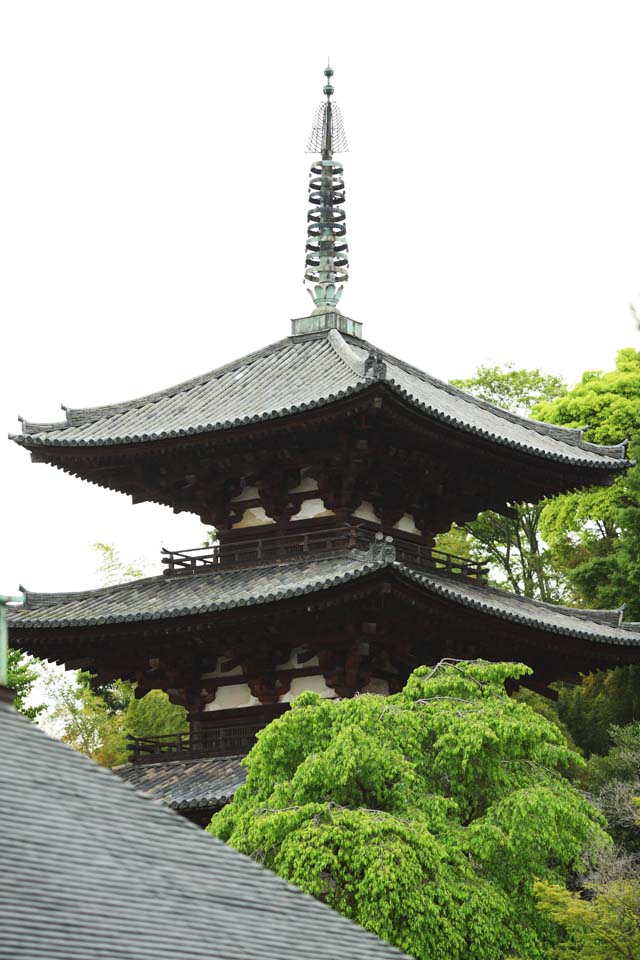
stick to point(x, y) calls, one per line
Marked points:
point(298, 374)
point(206, 593)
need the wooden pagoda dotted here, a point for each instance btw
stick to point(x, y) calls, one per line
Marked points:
point(327, 467)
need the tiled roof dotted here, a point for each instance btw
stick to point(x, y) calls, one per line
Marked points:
point(170, 597)
point(156, 598)
point(91, 868)
point(187, 784)
point(297, 374)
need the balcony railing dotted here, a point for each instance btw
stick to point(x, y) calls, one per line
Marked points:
point(324, 541)
point(229, 741)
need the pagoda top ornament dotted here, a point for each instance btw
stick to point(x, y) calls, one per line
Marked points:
point(326, 261)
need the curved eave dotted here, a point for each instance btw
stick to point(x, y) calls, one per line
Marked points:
point(573, 453)
point(595, 626)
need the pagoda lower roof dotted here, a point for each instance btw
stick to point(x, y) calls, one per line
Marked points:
point(209, 593)
point(205, 784)
point(299, 374)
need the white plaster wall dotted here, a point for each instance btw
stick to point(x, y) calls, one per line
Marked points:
point(309, 509)
point(366, 512)
point(406, 523)
point(233, 695)
point(375, 685)
point(219, 672)
point(248, 493)
point(301, 684)
point(307, 482)
point(255, 517)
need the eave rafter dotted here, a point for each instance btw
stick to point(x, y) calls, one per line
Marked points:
point(373, 434)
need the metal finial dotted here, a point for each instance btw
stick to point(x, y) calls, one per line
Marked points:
point(326, 259)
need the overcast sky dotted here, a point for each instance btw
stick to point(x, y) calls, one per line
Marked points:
point(154, 194)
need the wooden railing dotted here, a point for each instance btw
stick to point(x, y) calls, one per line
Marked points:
point(315, 543)
point(232, 740)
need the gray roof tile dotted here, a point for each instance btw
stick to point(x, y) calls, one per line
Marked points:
point(91, 868)
point(163, 597)
point(187, 784)
point(300, 373)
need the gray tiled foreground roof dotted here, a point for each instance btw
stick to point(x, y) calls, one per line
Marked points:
point(297, 374)
point(91, 868)
point(169, 597)
point(187, 784)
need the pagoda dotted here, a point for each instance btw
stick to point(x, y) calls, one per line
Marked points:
point(327, 467)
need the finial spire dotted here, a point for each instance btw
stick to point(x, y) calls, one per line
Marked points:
point(326, 259)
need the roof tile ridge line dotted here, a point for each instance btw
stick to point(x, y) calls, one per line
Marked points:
point(48, 599)
point(346, 354)
point(504, 613)
point(572, 435)
point(485, 589)
point(78, 415)
point(318, 586)
point(32, 426)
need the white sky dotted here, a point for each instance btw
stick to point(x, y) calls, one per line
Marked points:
point(153, 208)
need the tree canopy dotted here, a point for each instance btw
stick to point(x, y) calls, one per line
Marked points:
point(511, 388)
point(520, 560)
point(22, 673)
point(98, 723)
point(594, 534)
point(424, 816)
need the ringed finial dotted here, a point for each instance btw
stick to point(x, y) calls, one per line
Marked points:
point(326, 259)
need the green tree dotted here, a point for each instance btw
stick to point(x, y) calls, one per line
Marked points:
point(99, 727)
point(512, 389)
point(97, 719)
point(594, 534)
point(603, 698)
point(604, 926)
point(22, 673)
point(519, 558)
point(112, 569)
point(423, 816)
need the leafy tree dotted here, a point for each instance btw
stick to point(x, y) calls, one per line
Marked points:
point(512, 389)
point(424, 816)
point(603, 698)
point(112, 569)
point(595, 534)
point(85, 720)
point(614, 782)
point(22, 673)
point(520, 560)
point(96, 719)
point(605, 926)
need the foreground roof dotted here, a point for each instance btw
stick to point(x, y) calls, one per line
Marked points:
point(298, 374)
point(160, 598)
point(93, 868)
point(184, 785)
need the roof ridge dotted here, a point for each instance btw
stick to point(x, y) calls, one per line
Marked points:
point(78, 415)
point(571, 435)
point(599, 617)
point(346, 354)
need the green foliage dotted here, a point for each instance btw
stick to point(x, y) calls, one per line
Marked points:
point(595, 534)
point(22, 673)
point(604, 927)
point(614, 781)
point(112, 569)
point(520, 560)
point(424, 816)
point(512, 389)
point(602, 699)
point(98, 726)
